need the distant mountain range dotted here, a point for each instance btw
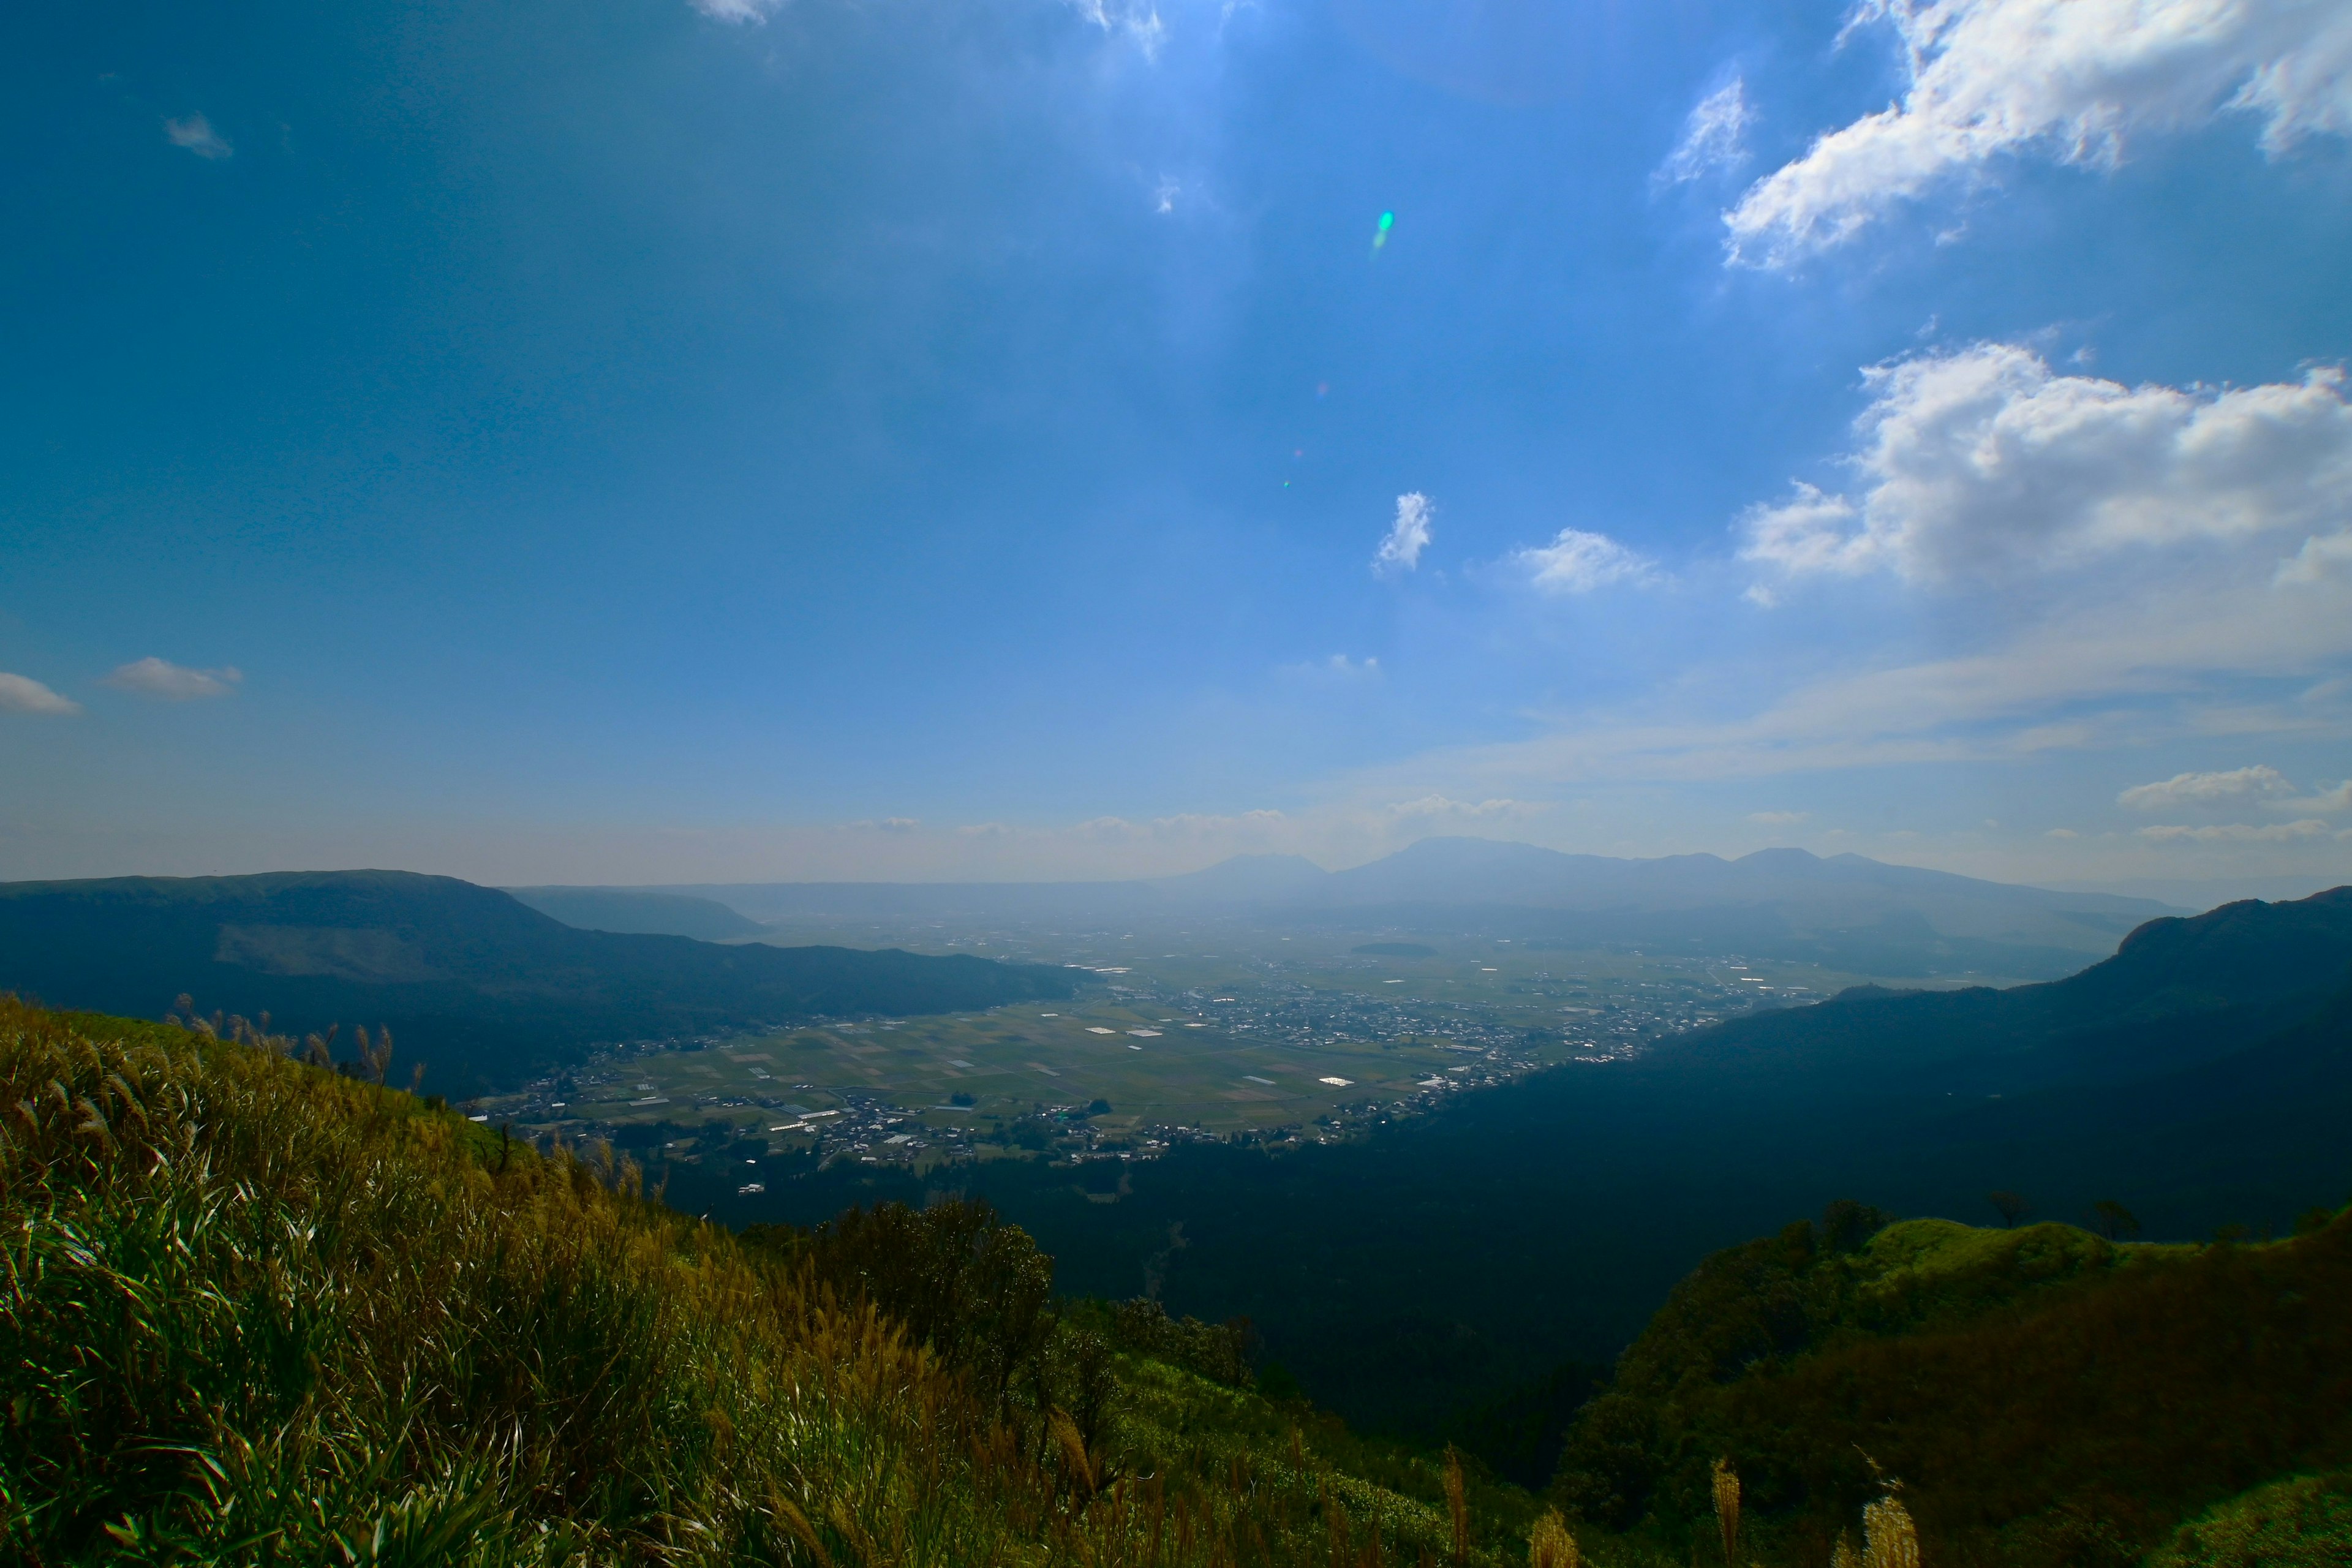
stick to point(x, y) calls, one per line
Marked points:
point(472, 983)
point(1845, 911)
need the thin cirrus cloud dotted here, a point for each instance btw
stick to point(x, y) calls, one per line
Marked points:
point(1715, 137)
point(1408, 535)
point(173, 682)
point(1138, 21)
point(2230, 788)
point(2241, 832)
point(741, 12)
point(1982, 464)
point(196, 133)
point(2070, 80)
point(1576, 561)
point(23, 694)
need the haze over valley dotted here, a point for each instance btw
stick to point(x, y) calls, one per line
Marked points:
point(1177, 783)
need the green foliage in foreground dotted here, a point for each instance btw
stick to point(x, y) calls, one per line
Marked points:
point(2303, 1523)
point(2048, 1397)
point(255, 1312)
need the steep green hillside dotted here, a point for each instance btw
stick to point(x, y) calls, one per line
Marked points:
point(2177, 993)
point(471, 981)
point(2046, 1396)
point(257, 1312)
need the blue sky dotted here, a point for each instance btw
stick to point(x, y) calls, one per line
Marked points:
point(639, 441)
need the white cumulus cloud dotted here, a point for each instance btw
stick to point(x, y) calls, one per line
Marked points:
point(196, 133)
point(23, 694)
point(2206, 789)
point(1408, 535)
point(1981, 463)
point(1576, 561)
point(1714, 137)
point(173, 683)
point(2069, 80)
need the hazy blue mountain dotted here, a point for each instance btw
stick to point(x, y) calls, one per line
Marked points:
point(772, 901)
point(476, 985)
point(1844, 911)
point(637, 911)
point(1277, 878)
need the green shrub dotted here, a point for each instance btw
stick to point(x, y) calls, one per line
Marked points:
point(2303, 1522)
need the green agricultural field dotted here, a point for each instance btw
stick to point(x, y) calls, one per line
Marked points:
point(1216, 1033)
point(1153, 1066)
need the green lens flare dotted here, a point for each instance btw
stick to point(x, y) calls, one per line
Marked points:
point(1388, 222)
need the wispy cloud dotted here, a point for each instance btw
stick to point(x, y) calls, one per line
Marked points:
point(1778, 818)
point(173, 683)
point(2230, 788)
point(1576, 561)
point(741, 13)
point(196, 133)
point(2069, 80)
point(2242, 833)
point(2323, 558)
point(1441, 808)
point(1983, 464)
point(1408, 535)
point(23, 694)
point(2333, 800)
point(1715, 137)
point(1138, 21)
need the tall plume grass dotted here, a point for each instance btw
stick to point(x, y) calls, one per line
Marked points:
point(1550, 1544)
point(1727, 1511)
point(1889, 1539)
point(256, 1313)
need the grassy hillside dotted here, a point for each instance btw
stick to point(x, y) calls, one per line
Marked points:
point(257, 1312)
point(469, 980)
point(2045, 1395)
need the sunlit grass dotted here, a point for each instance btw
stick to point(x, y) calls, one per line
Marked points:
point(256, 1311)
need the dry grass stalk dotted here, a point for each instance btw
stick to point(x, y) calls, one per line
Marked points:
point(1726, 1509)
point(1456, 1506)
point(1889, 1539)
point(1550, 1544)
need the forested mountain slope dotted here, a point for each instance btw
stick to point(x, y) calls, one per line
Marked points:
point(471, 981)
point(2048, 1398)
point(2178, 992)
point(639, 911)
